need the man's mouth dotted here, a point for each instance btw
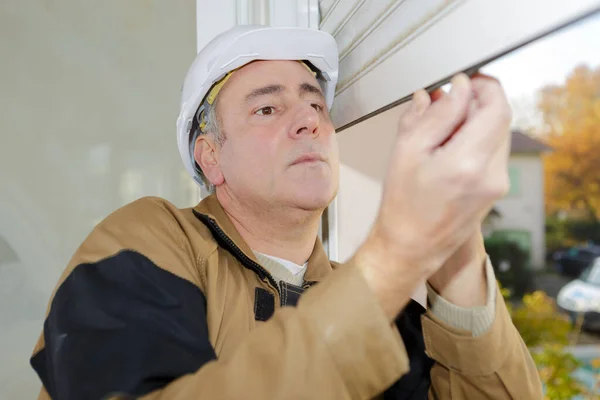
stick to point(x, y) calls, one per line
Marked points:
point(309, 158)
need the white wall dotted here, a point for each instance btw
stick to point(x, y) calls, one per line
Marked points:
point(526, 210)
point(365, 150)
point(90, 95)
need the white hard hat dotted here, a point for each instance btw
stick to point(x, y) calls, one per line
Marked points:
point(240, 46)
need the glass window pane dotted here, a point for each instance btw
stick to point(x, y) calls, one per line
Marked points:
point(514, 175)
point(90, 96)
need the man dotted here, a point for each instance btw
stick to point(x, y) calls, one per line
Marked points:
point(235, 298)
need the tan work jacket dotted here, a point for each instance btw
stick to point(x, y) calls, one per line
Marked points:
point(167, 303)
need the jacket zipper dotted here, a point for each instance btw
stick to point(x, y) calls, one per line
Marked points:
point(235, 250)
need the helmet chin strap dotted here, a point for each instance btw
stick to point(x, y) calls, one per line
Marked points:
point(308, 68)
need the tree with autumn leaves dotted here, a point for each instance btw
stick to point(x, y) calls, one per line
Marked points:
point(571, 126)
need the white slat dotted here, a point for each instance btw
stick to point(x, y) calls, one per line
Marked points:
point(390, 48)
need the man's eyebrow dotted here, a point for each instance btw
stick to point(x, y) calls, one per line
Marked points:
point(271, 89)
point(274, 89)
point(308, 88)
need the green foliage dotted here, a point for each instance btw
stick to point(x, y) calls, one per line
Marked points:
point(557, 234)
point(561, 233)
point(546, 331)
point(556, 368)
point(519, 277)
point(539, 322)
point(583, 230)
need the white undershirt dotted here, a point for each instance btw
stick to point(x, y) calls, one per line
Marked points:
point(294, 268)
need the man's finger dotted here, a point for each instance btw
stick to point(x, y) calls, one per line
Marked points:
point(422, 101)
point(419, 103)
point(442, 117)
point(486, 128)
point(488, 90)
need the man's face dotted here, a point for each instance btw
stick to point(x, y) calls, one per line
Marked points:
point(280, 145)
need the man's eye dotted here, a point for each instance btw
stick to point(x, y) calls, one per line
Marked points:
point(317, 107)
point(265, 111)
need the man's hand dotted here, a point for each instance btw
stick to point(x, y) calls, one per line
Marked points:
point(461, 280)
point(448, 167)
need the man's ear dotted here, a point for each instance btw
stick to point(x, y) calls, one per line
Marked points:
point(206, 154)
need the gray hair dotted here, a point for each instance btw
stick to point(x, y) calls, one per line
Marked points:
point(212, 128)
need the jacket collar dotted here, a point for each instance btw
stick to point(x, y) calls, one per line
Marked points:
point(211, 210)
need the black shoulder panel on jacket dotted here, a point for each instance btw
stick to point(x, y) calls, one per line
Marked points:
point(415, 384)
point(122, 325)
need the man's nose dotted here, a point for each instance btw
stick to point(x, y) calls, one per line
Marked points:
point(306, 122)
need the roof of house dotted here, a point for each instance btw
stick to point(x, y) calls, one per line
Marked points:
point(521, 143)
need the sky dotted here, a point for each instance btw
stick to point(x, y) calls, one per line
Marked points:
point(547, 61)
point(550, 59)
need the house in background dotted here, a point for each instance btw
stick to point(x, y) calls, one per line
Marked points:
point(520, 215)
